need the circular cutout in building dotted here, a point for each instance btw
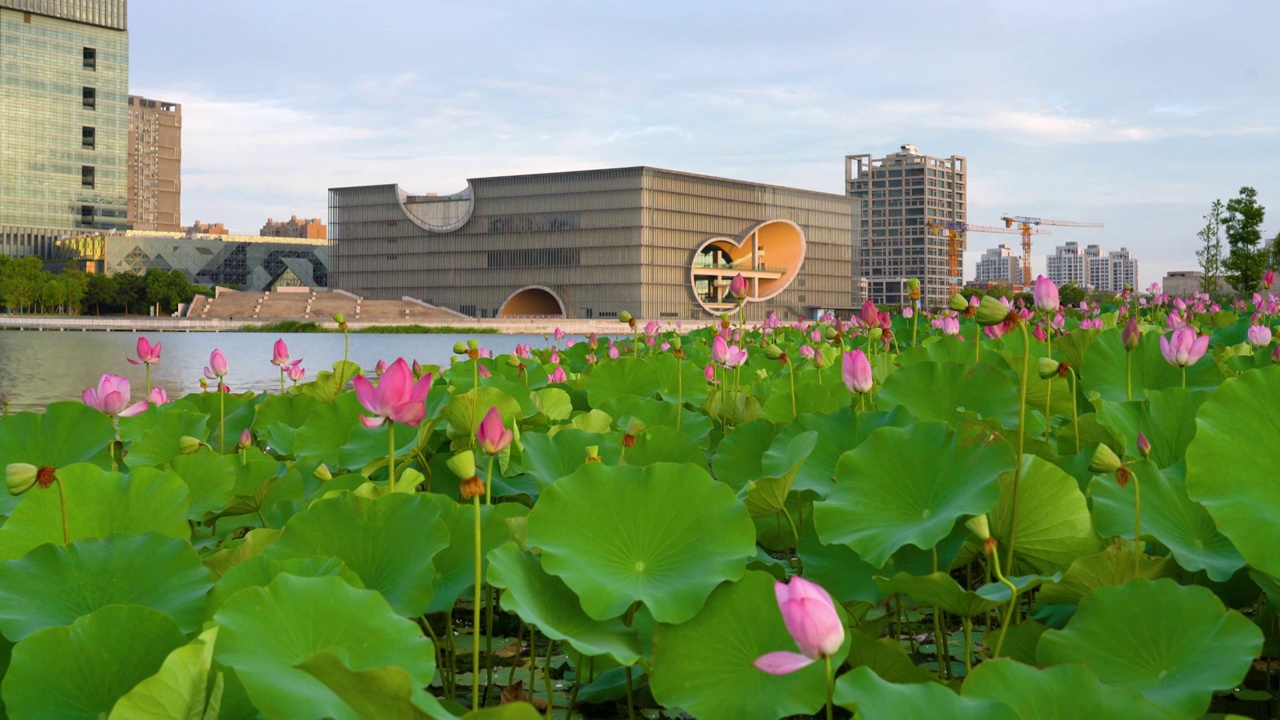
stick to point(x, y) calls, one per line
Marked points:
point(533, 301)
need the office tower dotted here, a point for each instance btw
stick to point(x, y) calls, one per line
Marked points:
point(155, 165)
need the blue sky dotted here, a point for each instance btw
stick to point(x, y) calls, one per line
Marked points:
point(1135, 113)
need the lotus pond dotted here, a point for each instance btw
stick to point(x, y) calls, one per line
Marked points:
point(994, 513)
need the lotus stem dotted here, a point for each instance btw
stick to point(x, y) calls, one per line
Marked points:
point(1128, 376)
point(148, 379)
point(475, 613)
point(222, 417)
point(679, 390)
point(631, 702)
point(791, 376)
point(1048, 388)
point(795, 533)
point(577, 683)
point(511, 675)
point(937, 629)
point(1075, 416)
point(1013, 600)
point(977, 341)
point(488, 483)
point(281, 381)
point(62, 503)
point(1137, 524)
point(391, 454)
point(1022, 426)
point(831, 689)
point(1184, 377)
point(489, 601)
point(915, 323)
point(968, 645)
point(546, 675)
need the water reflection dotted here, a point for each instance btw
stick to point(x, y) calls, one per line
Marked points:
point(37, 368)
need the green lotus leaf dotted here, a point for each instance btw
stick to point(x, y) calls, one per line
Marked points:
point(838, 568)
point(908, 486)
point(54, 584)
point(209, 478)
point(768, 495)
point(385, 693)
point(1110, 568)
point(545, 601)
point(887, 658)
point(1175, 644)
point(739, 456)
point(99, 503)
point(465, 411)
point(161, 443)
point(1064, 692)
point(81, 671)
point(181, 689)
point(455, 566)
point(840, 431)
point(549, 458)
point(266, 632)
point(705, 665)
point(554, 403)
point(240, 408)
point(277, 420)
point(691, 387)
point(656, 413)
point(1103, 369)
point(334, 436)
point(1054, 525)
point(387, 542)
point(659, 444)
point(259, 571)
point(1168, 515)
point(64, 434)
point(810, 398)
point(941, 590)
point(943, 392)
point(664, 535)
point(235, 552)
point(1229, 470)
point(1166, 417)
point(624, 376)
point(865, 693)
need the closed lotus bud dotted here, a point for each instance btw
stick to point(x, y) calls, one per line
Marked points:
point(979, 526)
point(773, 352)
point(188, 445)
point(624, 317)
point(20, 477)
point(959, 303)
point(1104, 460)
point(1144, 445)
point(322, 473)
point(416, 369)
point(991, 311)
point(463, 464)
point(246, 440)
point(1131, 335)
point(1049, 367)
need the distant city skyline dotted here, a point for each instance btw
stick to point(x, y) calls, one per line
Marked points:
point(1132, 113)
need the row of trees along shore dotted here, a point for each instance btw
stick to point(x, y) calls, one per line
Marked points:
point(26, 287)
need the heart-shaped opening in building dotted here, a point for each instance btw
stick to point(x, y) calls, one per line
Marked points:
point(768, 256)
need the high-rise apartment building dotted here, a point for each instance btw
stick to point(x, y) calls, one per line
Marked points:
point(199, 228)
point(1092, 268)
point(155, 165)
point(999, 265)
point(64, 121)
point(312, 229)
point(903, 194)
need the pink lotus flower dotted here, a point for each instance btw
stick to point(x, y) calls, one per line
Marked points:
point(1268, 278)
point(1183, 348)
point(158, 396)
point(523, 351)
point(1058, 322)
point(217, 367)
point(709, 372)
point(555, 358)
point(738, 286)
point(907, 312)
point(1259, 336)
point(147, 353)
point(730, 356)
point(558, 375)
point(613, 352)
point(558, 334)
point(811, 619)
point(483, 371)
point(652, 327)
point(1045, 294)
point(492, 434)
point(807, 351)
point(380, 367)
point(1091, 324)
point(280, 353)
point(295, 372)
point(246, 440)
point(856, 370)
point(870, 315)
point(397, 397)
point(950, 326)
point(112, 397)
point(1039, 333)
point(570, 343)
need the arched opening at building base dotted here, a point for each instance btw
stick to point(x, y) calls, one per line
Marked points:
point(533, 301)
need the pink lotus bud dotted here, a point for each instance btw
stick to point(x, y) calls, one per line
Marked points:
point(558, 334)
point(709, 372)
point(950, 326)
point(870, 316)
point(1039, 333)
point(907, 312)
point(217, 365)
point(558, 375)
point(1045, 294)
point(492, 434)
point(811, 619)
point(147, 353)
point(1259, 336)
point(856, 371)
point(158, 396)
point(1144, 445)
point(246, 440)
point(613, 352)
point(1268, 278)
point(295, 372)
point(738, 286)
point(280, 353)
point(380, 367)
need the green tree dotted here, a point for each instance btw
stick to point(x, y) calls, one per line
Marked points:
point(1070, 295)
point(130, 290)
point(1242, 222)
point(99, 291)
point(1210, 252)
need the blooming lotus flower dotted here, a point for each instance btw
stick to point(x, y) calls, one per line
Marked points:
point(811, 619)
point(148, 354)
point(738, 286)
point(217, 367)
point(280, 353)
point(652, 327)
point(295, 372)
point(492, 434)
point(856, 371)
point(557, 375)
point(158, 396)
point(1045, 294)
point(1259, 336)
point(397, 397)
point(112, 397)
point(558, 334)
point(907, 312)
point(1091, 324)
point(807, 351)
point(730, 356)
point(950, 326)
point(1183, 348)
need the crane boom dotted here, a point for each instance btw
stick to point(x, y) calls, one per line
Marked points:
point(1025, 222)
point(956, 244)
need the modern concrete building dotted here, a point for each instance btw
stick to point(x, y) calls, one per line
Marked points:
point(999, 265)
point(591, 244)
point(1092, 268)
point(64, 120)
point(902, 195)
point(312, 229)
point(155, 165)
point(246, 262)
point(1069, 265)
point(1124, 270)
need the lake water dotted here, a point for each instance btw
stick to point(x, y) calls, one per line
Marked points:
point(37, 368)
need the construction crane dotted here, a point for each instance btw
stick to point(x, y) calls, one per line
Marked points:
point(1025, 224)
point(955, 243)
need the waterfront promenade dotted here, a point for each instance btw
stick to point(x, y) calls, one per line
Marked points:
point(510, 326)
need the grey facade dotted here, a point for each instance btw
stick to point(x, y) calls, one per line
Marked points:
point(64, 69)
point(591, 244)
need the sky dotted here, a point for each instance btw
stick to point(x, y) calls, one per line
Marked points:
point(1133, 113)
